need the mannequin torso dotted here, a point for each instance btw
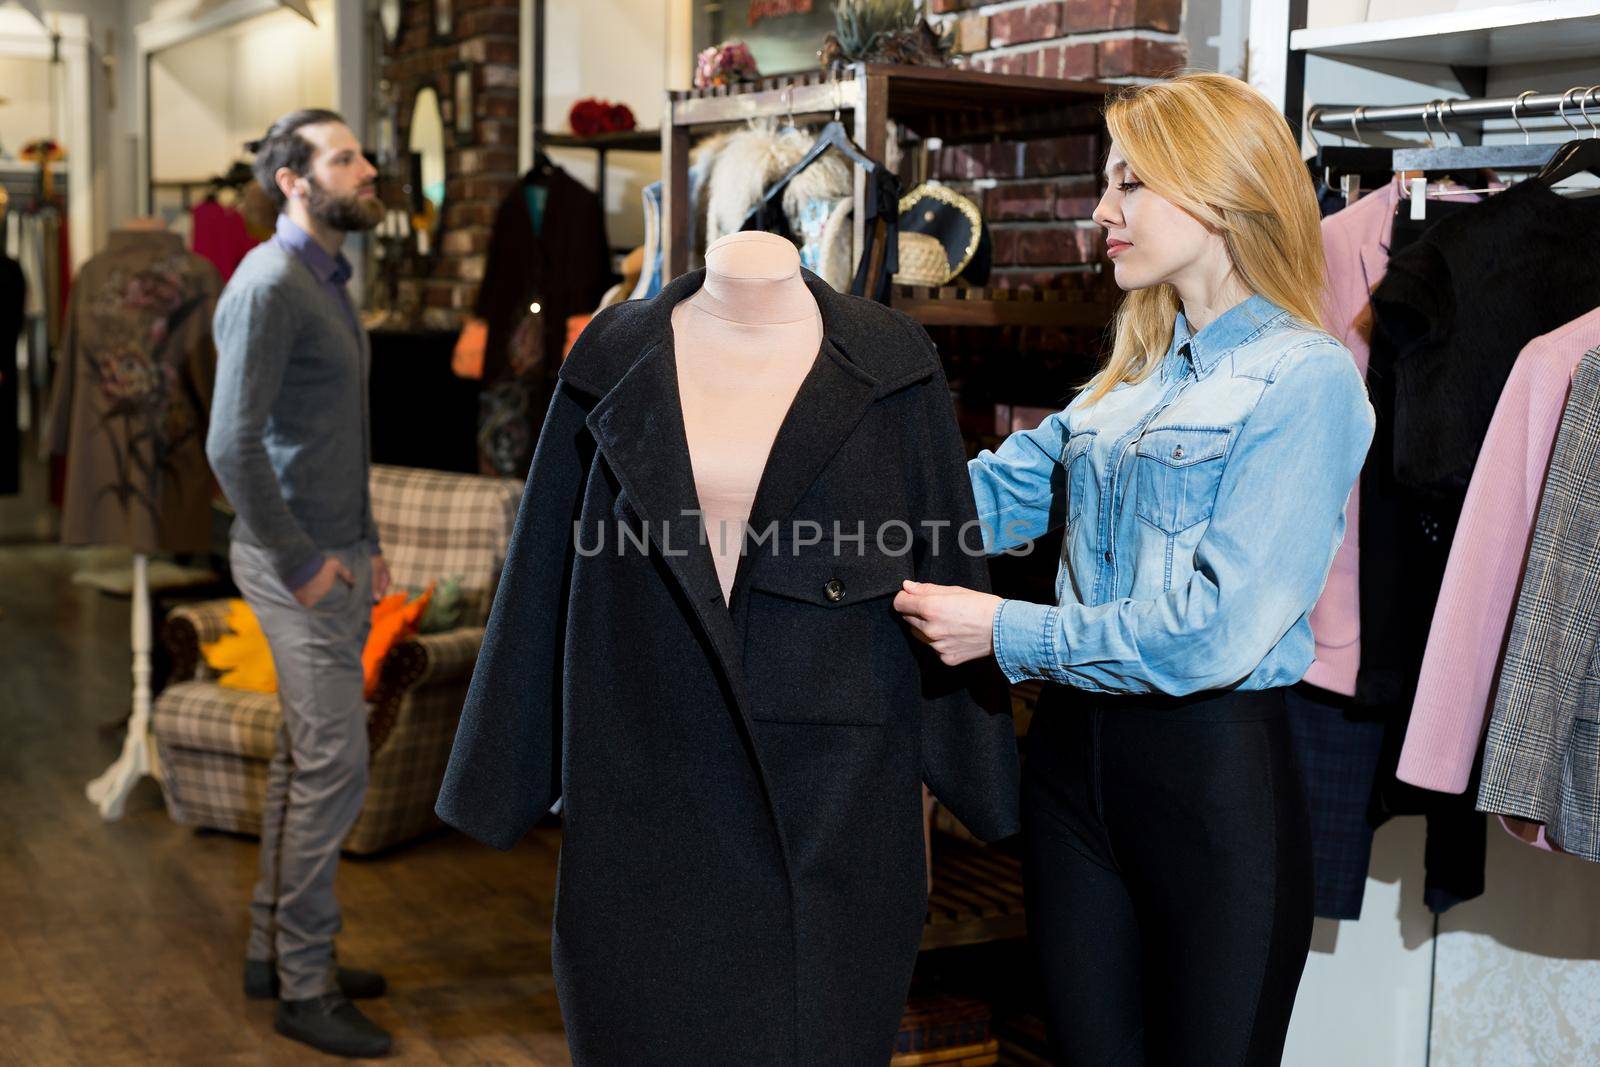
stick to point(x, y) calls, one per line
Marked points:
point(744, 342)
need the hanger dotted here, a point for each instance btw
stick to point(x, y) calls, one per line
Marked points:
point(543, 167)
point(1349, 163)
point(832, 135)
point(1453, 162)
point(1576, 156)
point(880, 213)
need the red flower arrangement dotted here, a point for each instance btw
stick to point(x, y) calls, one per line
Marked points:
point(592, 116)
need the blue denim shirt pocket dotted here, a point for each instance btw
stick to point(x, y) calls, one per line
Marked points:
point(1179, 469)
point(1178, 472)
point(1080, 475)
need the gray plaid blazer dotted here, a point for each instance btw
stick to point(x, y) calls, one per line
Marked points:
point(1541, 759)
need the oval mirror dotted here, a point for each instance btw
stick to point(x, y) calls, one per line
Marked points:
point(389, 18)
point(427, 168)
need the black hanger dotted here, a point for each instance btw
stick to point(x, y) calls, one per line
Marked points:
point(543, 167)
point(879, 214)
point(1572, 157)
point(1333, 161)
point(832, 135)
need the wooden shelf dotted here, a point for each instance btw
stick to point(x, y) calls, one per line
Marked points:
point(1486, 37)
point(911, 92)
point(951, 306)
point(625, 141)
point(947, 102)
point(977, 895)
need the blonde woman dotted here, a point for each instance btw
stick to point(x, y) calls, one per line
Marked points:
point(1201, 476)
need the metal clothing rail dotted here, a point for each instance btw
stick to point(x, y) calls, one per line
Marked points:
point(1578, 104)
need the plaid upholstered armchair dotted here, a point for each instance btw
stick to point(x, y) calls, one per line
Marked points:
point(214, 744)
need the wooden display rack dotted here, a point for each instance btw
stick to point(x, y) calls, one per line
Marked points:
point(957, 106)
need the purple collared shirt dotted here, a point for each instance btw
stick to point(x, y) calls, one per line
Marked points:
point(331, 271)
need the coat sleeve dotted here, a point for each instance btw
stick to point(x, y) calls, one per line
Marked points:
point(969, 746)
point(505, 767)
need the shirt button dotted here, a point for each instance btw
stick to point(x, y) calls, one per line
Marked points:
point(1108, 557)
point(834, 590)
point(1177, 453)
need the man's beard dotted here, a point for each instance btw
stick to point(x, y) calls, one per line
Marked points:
point(349, 214)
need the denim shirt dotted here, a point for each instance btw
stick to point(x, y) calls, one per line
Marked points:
point(1203, 507)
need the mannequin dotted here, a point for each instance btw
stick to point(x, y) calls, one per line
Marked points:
point(109, 792)
point(744, 342)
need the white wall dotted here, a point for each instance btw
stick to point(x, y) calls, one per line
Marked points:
point(617, 50)
point(1514, 976)
point(25, 113)
point(118, 155)
point(211, 94)
point(1364, 997)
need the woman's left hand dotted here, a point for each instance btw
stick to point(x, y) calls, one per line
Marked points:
point(958, 623)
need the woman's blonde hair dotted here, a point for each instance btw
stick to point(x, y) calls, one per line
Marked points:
point(1218, 149)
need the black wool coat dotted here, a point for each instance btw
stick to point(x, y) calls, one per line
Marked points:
point(741, 876)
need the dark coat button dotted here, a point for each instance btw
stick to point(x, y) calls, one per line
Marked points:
point(834, 590)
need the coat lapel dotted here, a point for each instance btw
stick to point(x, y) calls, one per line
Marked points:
point(830, 402)
point(638, 426)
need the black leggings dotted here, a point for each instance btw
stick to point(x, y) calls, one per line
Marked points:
point(1168, 876)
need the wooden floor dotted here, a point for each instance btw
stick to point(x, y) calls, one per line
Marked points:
point(121, 943)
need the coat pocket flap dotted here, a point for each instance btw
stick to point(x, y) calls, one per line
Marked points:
point(830, 580)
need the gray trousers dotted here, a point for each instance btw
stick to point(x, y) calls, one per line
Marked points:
point(318, 775)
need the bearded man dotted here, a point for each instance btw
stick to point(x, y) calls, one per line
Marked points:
point(289, 443)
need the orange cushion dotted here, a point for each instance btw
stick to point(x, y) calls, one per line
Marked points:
point(242, 656)
point(392, 619)
point(466, 361)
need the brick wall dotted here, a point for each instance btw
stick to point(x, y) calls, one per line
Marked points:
point(444, 286)
point(1038, 195)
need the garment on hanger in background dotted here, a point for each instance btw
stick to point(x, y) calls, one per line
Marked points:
point(1355, 243)
point(879, 259)
point(13, 298)
point(219, 234)
point(563, 266)
point(1455, 308)
point(131, 397)
point(1337, 743)
point(59, 254)
point(1541, 757)
point(1455, 692)
point(1403, 547)
point(653, 277)
point(649, 283)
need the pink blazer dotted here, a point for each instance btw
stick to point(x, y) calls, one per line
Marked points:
point(1356, 244)
point(1484, 572)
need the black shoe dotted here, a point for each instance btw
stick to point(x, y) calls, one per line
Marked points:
point(261, 982)
point(331, 1024)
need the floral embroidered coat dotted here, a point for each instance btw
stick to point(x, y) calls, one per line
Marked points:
point(132, 391)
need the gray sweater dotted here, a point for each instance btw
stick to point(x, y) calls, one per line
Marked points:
point(289, 438)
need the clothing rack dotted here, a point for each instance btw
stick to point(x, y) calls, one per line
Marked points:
point(1573, 104)
point(23, 183)
point(957, 105)
point(187, 187)
point(1577, 104)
